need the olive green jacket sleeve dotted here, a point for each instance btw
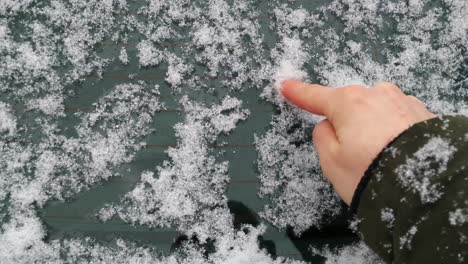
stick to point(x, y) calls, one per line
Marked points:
point(412, 203)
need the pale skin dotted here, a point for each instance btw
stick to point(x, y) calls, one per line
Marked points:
point(359, 123)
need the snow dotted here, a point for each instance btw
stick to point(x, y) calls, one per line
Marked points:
point(291, 62)
point(106, 138)
point(13, 6)
point(148, 54)
point(177, 71)
point(388, 216)
point(123, 56)
point(407, 239)
point(51, 105)
point(242, 247)
point(205, 49)
point(417, 174)
point(183, 191)
point(414, 59)
point(7, 120)
point(290, 177)
point(357, 253)
point(458, 217)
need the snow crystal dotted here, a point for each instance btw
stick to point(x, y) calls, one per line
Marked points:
point(7, 120)
point(21, 240)
point(228, 37)
point(406, 239)
point(204, 36)
point(148, 55)
point(387, 215)
point(50, 105)
point(243, 248)
point(289, 168)
point(176, 71)
point(107, 137)
point(122, 129)
point(12, 6)
point(123, 56)
point(290, 177)
point(421, 63)
point(290, 66)
point(417, 174)
point(20, 234)
point(290, 63)
point(298, 17)
point(188, 191)
point(48, 48)
point(458, 217)
point(358, 253)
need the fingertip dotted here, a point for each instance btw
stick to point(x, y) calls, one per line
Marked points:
point(288, 84)
point(310, 97)
point(287, 87)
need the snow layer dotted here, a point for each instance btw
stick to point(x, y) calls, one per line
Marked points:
point(290, 176)
point(7, 120)
point(357, 253)
point(238, 45)
point(187, 192)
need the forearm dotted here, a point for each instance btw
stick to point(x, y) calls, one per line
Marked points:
point(412, 203)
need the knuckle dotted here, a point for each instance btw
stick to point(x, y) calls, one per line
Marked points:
point(354, 92)
point(391, 86)
point(415, 101)
point(388, 87)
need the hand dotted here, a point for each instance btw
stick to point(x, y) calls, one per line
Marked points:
point(360, 123)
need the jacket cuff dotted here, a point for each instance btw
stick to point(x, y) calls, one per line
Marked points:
point(369, 173)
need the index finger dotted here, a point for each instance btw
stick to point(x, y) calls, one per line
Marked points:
point(313, 98)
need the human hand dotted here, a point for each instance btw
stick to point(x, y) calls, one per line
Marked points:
point(360, 123)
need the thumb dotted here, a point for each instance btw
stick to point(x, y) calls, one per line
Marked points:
point(325, 140)
point(328, 148)
point(327, 145)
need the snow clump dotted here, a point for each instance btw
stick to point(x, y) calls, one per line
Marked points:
point(358, 253)
point(428, 162)
point(187, 192)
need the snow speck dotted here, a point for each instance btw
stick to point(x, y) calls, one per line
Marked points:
point(123, 56)
point(387, 215)
point(7, 120)
point(358, 253)
point(51, 105)
point(148, 54)
point(458, 217)
point(177, 71)
point(417, 174)
point(407, 239)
